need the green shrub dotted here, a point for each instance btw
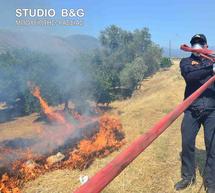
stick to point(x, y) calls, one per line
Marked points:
point(165, 62)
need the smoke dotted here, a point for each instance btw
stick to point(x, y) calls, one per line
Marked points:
point(64, 70)
point(68, 77)
point(33, 54)
point(61, 72)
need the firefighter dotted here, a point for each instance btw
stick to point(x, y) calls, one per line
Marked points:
point(196, 70)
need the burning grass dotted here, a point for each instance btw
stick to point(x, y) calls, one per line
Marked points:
point(108, 139)
point(154, 171)
point(99, 142)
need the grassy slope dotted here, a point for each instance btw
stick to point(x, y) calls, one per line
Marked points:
point(158, 168)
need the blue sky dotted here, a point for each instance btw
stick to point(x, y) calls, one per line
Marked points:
point(166, 19)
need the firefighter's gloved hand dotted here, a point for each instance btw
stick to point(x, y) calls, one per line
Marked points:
point(214, 67)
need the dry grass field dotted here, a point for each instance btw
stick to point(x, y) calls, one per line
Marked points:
point(156, 170)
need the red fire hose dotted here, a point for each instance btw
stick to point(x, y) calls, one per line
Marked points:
point(101, 179)
point(206, 53)
point(109, 172)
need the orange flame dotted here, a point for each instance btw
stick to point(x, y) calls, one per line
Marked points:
point(51, 114)
point(108, 138)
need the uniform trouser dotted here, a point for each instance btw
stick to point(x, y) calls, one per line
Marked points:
point(190, 126)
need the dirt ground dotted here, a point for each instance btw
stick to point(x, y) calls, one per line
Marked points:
point(156, 170)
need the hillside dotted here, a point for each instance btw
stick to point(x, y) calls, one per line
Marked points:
point(47, 43)
point(156, 170)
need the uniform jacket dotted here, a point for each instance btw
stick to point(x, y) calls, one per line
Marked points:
point(196, 71)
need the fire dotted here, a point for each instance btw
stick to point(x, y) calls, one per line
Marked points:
point(108, 137)
point(9, 185)
point(51, 114)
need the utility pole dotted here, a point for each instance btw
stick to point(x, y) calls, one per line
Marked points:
point(170, 49)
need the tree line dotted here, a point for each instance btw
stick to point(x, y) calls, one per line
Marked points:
point(113, 71)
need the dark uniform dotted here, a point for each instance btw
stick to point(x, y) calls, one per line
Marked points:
point(196, 71)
